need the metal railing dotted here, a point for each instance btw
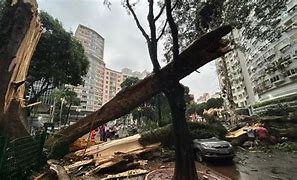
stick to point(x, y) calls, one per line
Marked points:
point(20, 156)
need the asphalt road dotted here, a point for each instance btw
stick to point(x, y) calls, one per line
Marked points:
point(258, 165)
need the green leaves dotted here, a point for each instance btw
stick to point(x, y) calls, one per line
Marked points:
point(199, 108)
point(129, 81)
point(257, 18)
point(59, 58)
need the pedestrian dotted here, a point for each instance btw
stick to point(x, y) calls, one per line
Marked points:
point(102, 133)
point(93, 135)
point(263, 135)
point(107, 134)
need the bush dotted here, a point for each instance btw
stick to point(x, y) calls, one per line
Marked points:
point(199, 130)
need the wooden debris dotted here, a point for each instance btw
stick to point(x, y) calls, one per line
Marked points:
point(78, 164)
point(61, 172)
point(113, 156)
point(128, 145)
point(111, 164)
point(22, 31)
point(81, 143)
point(129, 173)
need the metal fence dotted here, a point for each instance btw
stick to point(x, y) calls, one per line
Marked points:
point(19, 156)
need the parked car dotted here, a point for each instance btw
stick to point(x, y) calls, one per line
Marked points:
point(212, 148)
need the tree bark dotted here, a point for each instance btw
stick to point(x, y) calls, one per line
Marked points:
point(200, 52)
point(184, 158)
point(22, 32)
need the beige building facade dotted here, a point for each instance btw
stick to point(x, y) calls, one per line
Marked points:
point(112, 84)
point(91, 92)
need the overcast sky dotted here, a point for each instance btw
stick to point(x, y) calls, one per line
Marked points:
point(124, 44)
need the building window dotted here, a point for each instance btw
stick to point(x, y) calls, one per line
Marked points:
point(275, 78)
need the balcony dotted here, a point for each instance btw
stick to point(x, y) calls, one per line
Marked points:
point(284, 46)
point(293, 76)
point(270, 55)
point(292, 73)
point(280, 81)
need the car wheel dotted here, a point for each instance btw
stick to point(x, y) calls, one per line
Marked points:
point(198, 156)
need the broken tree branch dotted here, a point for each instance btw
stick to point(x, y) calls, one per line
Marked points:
point(19, 38)
point(208, 47)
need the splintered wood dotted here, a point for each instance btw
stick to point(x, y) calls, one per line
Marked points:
point(126, 145)
point(22, 31)
point(113, 156)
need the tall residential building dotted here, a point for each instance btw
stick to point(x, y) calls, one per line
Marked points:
point(113, 80)
point(267, 69)
point(112, 84)
point(272, 65)
point(236, 78)
point(91, 93)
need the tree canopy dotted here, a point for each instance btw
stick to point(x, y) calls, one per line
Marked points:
point(154, 110)
point(215, 102)
point(129, 81)
point(59, 58)
point(69, 98)
point(257, 19)
point(200, 107)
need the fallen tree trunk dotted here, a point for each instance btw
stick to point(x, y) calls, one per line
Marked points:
point(20, 32)
point(202, 51)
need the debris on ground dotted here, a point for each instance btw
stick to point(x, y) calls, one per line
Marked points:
point(118, 159)
point(127, 174)
point(81, 143)
point(116, 156)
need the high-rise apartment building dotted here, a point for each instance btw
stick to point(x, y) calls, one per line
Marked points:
point(100, 84)
point(272, 65)
point(113, 80)
point(267, 69)
point(91, 92)
point(235, 76)
point(112, 84)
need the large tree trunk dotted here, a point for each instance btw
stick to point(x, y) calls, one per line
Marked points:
point(22, 32)
point(202, 51)
point(184, 159)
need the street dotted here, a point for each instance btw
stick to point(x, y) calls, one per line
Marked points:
point(259, 165)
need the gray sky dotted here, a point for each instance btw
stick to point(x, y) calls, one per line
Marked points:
point(124, 44)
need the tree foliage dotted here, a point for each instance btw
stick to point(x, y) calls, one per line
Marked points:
point(129, 81)
point(215, 103)
point(256, 19)
point(69, 99)
point(149, 110)
point(59, 58)
point(200, 107)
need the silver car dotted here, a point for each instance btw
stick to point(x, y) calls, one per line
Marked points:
point(212, 148)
